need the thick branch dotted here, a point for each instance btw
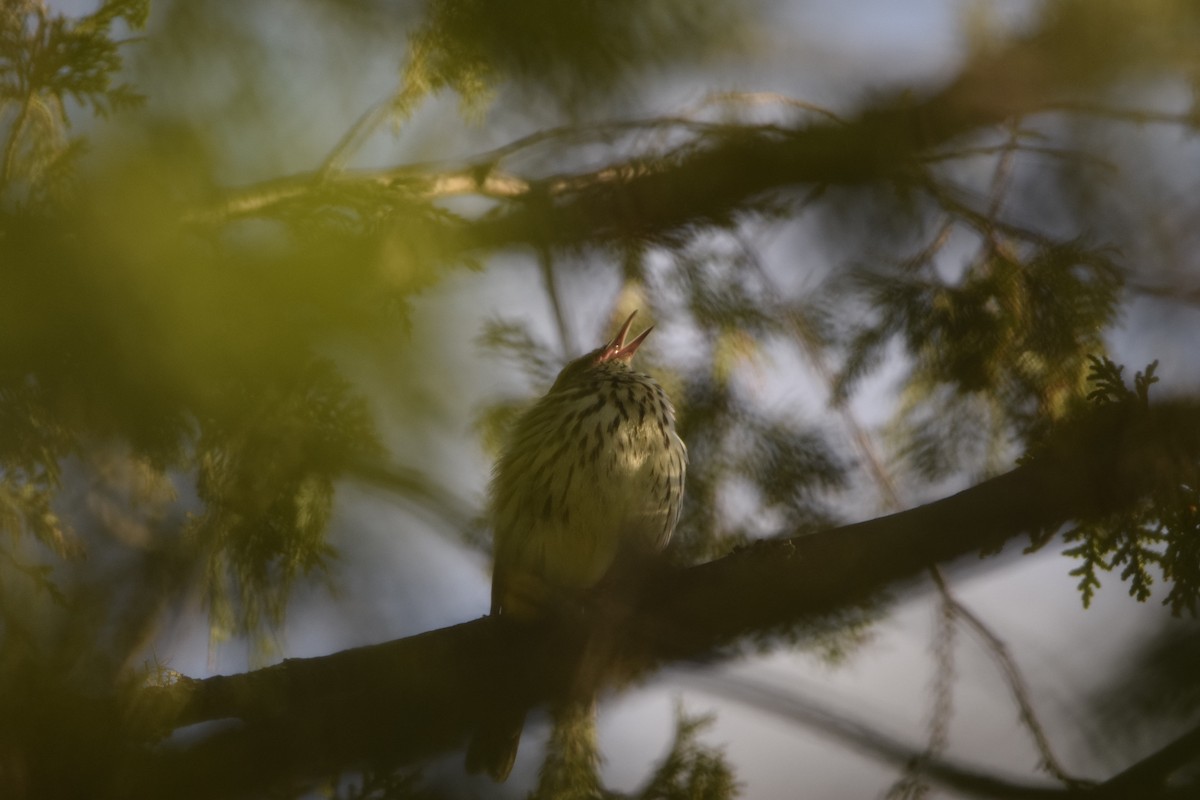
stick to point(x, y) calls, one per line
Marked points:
point(409, 698)
point(727, 169)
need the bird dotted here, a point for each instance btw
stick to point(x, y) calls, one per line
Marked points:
point(591, 477)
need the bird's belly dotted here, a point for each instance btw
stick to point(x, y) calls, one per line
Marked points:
point(619, 503)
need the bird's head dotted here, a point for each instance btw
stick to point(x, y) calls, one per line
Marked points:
point(616, 351)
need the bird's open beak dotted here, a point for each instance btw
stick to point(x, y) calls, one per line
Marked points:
point(618, 349)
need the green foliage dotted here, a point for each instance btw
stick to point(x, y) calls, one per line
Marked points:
point(208, 373)
point(266, 481)
point(44, 59)
point(750, 474)
point(386, 785)
point(1179, 521)
point(571, 768)
point(124, 330)
point(722, 288)
point(516, 343)
point(572, 50)
point(753, 471)
point(691, 770)
point(1110, 388)
point(998, 352)
point(1156, 539)
point(31, 445)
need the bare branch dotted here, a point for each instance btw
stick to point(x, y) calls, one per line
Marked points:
point(1016, 682)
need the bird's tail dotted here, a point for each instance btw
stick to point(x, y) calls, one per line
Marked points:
point(493, 748)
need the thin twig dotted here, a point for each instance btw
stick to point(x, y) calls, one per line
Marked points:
point(913, 784)
point(1001, 177)
point(353, 140)
point(550, 283)
point(565, 133)
point(811, 351)
point(993, 150)
point(786, 704)
point(768, 98)
point(1012, 673)
point(477, 175)
point(945, 196)
point(1178, 294)
point(926, 254)
point(950, 604)
point(1135, 115)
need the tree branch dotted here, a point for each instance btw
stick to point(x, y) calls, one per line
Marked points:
point(403, 700)
point(724, 170)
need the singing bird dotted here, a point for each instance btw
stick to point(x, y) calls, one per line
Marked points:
point(592, 476)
